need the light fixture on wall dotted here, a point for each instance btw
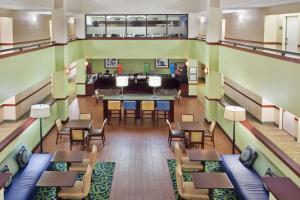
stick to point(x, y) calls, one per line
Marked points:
point(187, 63)
point(202, 20)
point(241, 18)
point(235, 114)
point(86, 63)
point(71, 20)
point(67, 71)
point(34, 18)
point(206, 71)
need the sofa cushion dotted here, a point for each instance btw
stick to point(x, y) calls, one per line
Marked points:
point(248, 156)
point(248, 184)
point(25, 180)
point(22, 157)
point(5, 169)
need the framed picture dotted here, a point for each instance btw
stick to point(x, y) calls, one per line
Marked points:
point(111, 63)
point(162, 63)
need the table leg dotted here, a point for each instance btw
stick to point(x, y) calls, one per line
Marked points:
point(171, 111)
point(105, 109)
point(138, 110)
point(211, 194)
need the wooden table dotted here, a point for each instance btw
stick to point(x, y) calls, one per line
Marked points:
point(203, 155)
point(57, 179)
point(193, 127)
point(68, 157)
point(282, 188)
point(211, 181)
point(79, 124)
point(138, 98)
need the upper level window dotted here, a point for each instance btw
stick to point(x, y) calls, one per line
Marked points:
point(116, 26)
point(95, 26)
point(137, 26)
point(177, 26)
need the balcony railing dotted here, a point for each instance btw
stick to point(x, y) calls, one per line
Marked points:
point(20, 48)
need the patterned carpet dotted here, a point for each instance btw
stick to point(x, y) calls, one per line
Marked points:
point(219, 194)
point(101, 182)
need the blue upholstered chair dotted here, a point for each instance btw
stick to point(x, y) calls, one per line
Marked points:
point(162, 109)
point(129, 109)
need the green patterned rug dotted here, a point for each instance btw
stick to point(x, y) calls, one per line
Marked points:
point(219, 194)
point(101, 182)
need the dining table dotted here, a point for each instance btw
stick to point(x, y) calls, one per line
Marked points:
point(57, 179)
point(79, 124)
point(211, 181)
point(203, 156)
point(190, 127)
point(68, 157)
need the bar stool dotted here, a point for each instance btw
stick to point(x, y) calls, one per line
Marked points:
point(162, 109)
point(147, 109)
point(129, 109)
point(114, 110)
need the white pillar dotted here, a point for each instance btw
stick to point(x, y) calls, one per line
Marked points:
point(193, 25)
point(59, 22)
point(214, 25)
point(280, 120)
point(80, 26)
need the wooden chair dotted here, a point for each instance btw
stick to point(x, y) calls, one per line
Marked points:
point(187, 190)
point(129, 108)
point(81, 167)
point(192, 137)
point(185, 162)
point(114, 110)
point(147, 109)
point(77, 135)
point(211, 132)
point(175, 134)
point(97, 134)
point(98, 96)
point(85, 116)
point(61, 131)
point(80, 190)
point(178, 96)
point(162, 110)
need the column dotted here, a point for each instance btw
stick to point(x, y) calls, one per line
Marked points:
point(213, 84)
point(80, 26)
point(60, 79)
point(81, 77)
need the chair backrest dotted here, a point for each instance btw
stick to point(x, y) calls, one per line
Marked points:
point(147, 105)
point(87, 180)
point(77, 134)
point(163, 105)
point(85, 116)
point(93, 156)
point(114, 105)
point(169, 124)
point(187, 118)
point(103, 124)
point(178, 153)
point(129, 105)
point(97, 93)
point(212, 127)
point(179, 93)
point(58, 124)
point(179, 179)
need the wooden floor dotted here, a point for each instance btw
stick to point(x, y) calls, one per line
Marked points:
point(140, 151)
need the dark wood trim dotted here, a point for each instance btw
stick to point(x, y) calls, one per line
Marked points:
point(210, 99)
point(61, 44)
point(80, 83)
point(295, 167)
point(252, 41)
point(24, 51)
point(24, 42)
point(12, 105)
point(18, 131)
point(254, 101)
point(3, 178)
point(158, 38)
point(280, 57)
point(213, 43)
point(62, 99)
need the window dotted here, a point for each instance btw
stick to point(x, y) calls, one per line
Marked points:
point(177, 26)
point(95, 26)
point(156, 26)
point(116, 26)
point(136, 26)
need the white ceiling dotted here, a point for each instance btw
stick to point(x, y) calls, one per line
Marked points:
point(137, 6)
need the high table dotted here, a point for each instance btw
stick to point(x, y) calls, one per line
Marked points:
point(203, 155)
point(138, 98)
point(211, 181)
point(193, 127)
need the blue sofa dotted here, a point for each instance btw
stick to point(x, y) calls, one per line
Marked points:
point(248, 184)
point(24, 180)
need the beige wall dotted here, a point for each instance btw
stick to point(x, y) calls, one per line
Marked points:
point(26, 29)
point(283, 9)
point(71, 29)
point(245, 25)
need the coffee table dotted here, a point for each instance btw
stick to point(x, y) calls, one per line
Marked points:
point(57, 179)
point(79, 124)
point(68, 157)
point(211, 181)
point(203, 155)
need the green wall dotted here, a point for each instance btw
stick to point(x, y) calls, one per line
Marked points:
point(276, 80)
point(132, 65)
